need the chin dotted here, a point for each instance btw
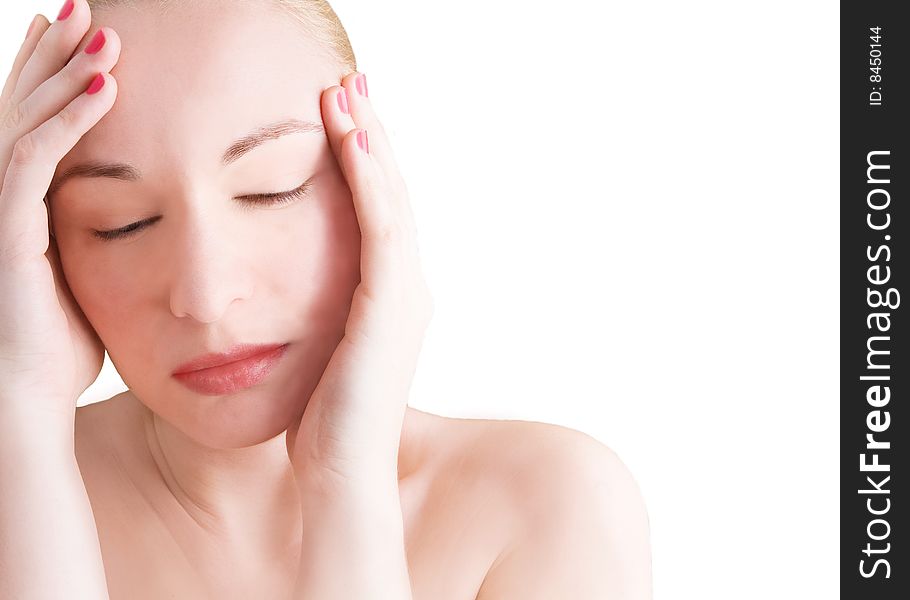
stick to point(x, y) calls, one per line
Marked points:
point(246, 417)
point(243, 419)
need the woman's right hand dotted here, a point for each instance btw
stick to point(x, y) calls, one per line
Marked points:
point(49, 353)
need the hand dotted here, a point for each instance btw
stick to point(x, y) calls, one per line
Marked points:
point(352, 424)
point(49, 353)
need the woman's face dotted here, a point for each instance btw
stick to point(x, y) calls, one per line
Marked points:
point(211, 270)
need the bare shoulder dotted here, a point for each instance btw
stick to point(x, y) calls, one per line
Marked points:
point(542, 464)
point(582, 526)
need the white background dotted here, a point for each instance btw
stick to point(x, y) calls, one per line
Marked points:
point(628, 217)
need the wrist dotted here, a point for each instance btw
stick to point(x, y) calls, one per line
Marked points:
point(34, 425)
point(320, 483)
point(323, 477)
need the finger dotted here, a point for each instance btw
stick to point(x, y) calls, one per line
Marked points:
point(100, 54)
point(365, 117)
point(336, 110)
point(53, 50)
point(370, 191)
point(380, 232)
point(38, 26)
point(337, 119)
point(33, 162)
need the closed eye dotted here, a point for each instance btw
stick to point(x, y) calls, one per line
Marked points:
point(250, 200)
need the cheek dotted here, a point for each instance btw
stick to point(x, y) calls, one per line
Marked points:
point(106, 298)
point(113, 307)
point(304, 271)
point(324, 257)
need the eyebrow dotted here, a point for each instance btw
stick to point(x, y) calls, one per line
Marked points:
point(127, 172)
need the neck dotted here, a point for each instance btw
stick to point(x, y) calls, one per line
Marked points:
point(247, 498)
point(235, 494)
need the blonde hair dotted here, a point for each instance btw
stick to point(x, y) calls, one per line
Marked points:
point(315, 17)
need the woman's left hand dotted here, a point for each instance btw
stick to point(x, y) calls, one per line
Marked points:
point(351, 428)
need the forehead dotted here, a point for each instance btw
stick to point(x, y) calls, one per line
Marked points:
point(190, 79)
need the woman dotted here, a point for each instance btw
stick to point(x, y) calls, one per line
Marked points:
point(224, 215)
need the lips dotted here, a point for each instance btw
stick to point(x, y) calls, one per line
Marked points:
point(215, 359)
point(222, 373)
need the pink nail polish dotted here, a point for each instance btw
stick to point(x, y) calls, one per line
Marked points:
point(363, 140)
point(362, 85)
point(66, 11)
point(343, 101)
point(96, 84)
point(97, 42)
point(31, 27)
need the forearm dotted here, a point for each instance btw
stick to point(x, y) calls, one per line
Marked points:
point(48, 540)
point(353, 543)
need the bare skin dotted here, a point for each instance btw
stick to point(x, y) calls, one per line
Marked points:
point(233, 496)
point(143, 528)
point(470, 488)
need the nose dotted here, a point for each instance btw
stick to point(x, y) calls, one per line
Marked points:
point(209, 274)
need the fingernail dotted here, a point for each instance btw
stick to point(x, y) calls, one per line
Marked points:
point(96, 84)
point(363, 140)
point(343, 101)
point(31, 27)
point(66, 11)
point(362, 85)
point(97, 42)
